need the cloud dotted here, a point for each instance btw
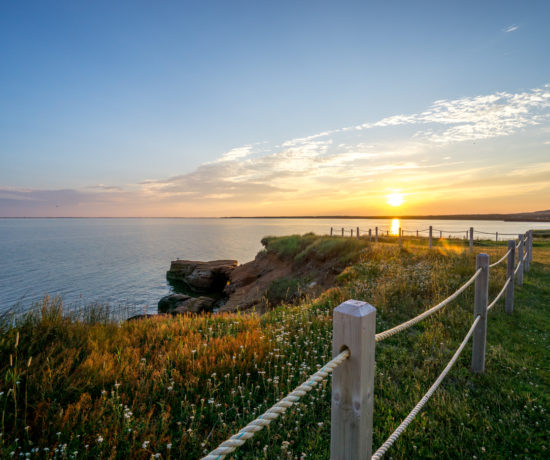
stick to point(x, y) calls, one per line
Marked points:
point(511, 28)
point(102, 187)
point(360, 162)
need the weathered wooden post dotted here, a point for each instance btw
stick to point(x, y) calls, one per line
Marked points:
point(430, 238)
point(376, 234)
point(387, 233)
point(511, 263)
point(530, 246)
point(440, 234)
point(480, 308)
point(354, 328)
point(370, 234)
point(351, 235)
point(417, 233)
point(400, 238)
point(330, 231)
point(528, 250)
point(496, 236)
point(357, 232)
point(520, 260)
point(342, 231)
point(471, 240)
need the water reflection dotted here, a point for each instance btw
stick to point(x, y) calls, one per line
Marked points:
point(394, 229)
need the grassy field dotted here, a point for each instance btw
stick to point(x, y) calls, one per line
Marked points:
point(176, 387)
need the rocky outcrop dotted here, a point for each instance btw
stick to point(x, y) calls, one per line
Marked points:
point(202, 277)
point(249, 282)
point(180, 303)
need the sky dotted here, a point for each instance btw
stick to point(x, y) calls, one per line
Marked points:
point(161, 109)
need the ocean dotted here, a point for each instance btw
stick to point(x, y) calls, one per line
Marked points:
point(124, 261)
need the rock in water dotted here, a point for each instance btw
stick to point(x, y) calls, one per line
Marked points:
point(170, 302)
point(202, 276)
point(179, 303)
point(195, 305)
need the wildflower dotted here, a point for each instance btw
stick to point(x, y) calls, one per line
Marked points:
point(100, 439)
point(145, 444)
point(169, 445)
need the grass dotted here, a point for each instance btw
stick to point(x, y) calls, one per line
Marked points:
point(176, 387)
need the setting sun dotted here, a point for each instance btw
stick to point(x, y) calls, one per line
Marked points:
point(395, 199)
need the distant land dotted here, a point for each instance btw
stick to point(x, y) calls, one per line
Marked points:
point(537, 216)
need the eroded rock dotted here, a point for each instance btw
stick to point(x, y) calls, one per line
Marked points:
point(200, 276)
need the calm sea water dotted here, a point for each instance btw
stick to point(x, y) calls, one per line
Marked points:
point(124, 261)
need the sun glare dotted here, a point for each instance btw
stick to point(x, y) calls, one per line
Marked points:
point(395, 224)
point(395, 199)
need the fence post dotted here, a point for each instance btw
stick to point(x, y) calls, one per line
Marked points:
point(330, 231)
point(357, 232)
point(528, 250)
point(370, 234)
point(530, 246)
point(354, 328)
point(440, 234)
point(400, 238)
point(480, 308)
point(430, 238)
point(509, 303)
point(342, 231)
point(376, 234)
point(351, 233)
point(471, 240)
point(417, 233)
point(496, 236)
point(520, 259)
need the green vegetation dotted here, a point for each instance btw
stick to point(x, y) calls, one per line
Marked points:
point(177, 387)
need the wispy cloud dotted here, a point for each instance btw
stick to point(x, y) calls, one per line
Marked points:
point(511, 28)
point(352, 165)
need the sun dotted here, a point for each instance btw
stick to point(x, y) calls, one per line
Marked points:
point(395, 199)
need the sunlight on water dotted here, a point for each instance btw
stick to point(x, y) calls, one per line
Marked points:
point(395, 224)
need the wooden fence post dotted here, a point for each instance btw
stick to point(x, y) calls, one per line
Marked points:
point(520, 260)
point(528, 250)
point(342, 231)
point(351, 235)
point(376, 234)
point(530, 246)
point(354, 328)
point(471, 240)
point(430, 238)
point(330, 231)
point(480, 308)
point(370, 234)
point(440, 234)
point(496, 236)
point(357, 232)
point(400, 238)
point(417, 233)
point(509, 303)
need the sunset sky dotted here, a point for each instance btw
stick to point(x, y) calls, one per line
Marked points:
point(140, 108)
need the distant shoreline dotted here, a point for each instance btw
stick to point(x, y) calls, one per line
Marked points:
point(540, 216)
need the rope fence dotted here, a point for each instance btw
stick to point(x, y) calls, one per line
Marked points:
point(354, 338)
point(374, 234)
point(401, 428)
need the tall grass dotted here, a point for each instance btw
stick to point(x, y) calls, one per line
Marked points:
point(174, 387)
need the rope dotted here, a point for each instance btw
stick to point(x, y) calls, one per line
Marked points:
point(449, 231)
point(485, 233)
point(500, 260)
point(274, 411)
point(393, 437)
point(517, 268)
point(499, 294)
point(384, 335)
